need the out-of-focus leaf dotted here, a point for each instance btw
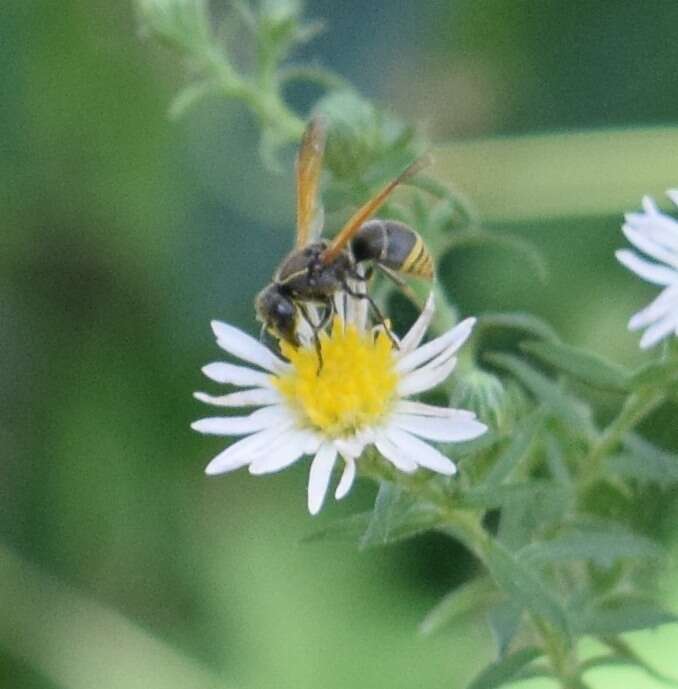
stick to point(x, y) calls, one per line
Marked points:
point(479, 592)
point(504, 620)
point(569, 409)
point(190, 96)
point(555, 460)
point(505, 669)
point(516, 450)
point(582, 365)
point(624, 654)
point(524, 585)
point(397, 516)
point(491, 497)
point(644, 462)
point(619, 614)
point(657, 374)
point(345, 529)
point(517, 320)
point(602, 548)
point(503, 240)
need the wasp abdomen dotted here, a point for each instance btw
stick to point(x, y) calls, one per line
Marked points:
point(394, 245)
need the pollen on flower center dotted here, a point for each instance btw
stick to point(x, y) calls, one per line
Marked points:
point(353, 389)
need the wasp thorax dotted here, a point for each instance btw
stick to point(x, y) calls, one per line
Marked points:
point(278, 313)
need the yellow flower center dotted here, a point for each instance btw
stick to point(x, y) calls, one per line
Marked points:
point(354, 386)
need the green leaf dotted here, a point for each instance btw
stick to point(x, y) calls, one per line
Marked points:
point(517, 320)
point(569, 409)
point(397, 516)
point(524, 585)
point(344, 529)
point(581, 365)
point(478, 592)
point(491, 497)
point(503, 240)
point(504, 620)
point(505, 669)
point(645, 462)
point(659, 374)
point(517, 449)
point(624, 654)
point(600, 547)
point(619, 614)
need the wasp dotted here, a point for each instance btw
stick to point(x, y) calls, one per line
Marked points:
point(317, 269)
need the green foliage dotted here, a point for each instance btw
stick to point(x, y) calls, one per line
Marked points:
point(552, 500)
point(505, 669)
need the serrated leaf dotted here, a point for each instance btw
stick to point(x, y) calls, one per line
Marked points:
point(621, 613)
point(582, 365)
point(645, 463)
point(525, 587)
point(516, 450)
point(397, 516)
point(504, 620)
point(602, 548)
point(570, 410)
point(473, 594)
point(505, 669)
point(516, 320)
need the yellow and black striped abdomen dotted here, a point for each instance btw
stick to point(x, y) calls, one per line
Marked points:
point(393, 245)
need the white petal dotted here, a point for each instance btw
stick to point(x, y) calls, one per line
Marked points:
point(242, 376)
point(450, 341)
point(673, 195)
point(244, 398)
point(398, 456)
point(444, 430)
point(421, 409)
point(658, 227)
point(242, 425)
point(666, 302)
point(660, 275)
point(319, 476)
point(643, 241)
point(346, 480)
point(425, 455)
point(245, 347)
point(241, 453)
point(416, 333)
point(425, 378)
point(659, 331)
point(351, 447)
point(276, 456)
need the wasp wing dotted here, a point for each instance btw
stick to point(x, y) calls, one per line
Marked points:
point(356, 221)
point(309, 166)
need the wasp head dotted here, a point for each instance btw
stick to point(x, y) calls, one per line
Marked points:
point(278, 313)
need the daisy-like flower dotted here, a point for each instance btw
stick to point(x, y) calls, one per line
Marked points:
point(358, 398)
point(656, 235)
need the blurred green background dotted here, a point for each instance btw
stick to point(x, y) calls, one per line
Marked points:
point(124, 233)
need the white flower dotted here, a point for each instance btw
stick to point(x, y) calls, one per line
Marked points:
point(656, 235)
point(358, 398)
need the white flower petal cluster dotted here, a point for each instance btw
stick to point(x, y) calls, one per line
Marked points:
point(276, 435)
point(655, 234)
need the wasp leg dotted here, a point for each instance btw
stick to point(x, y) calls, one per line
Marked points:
point(401, 284)
point(318, 327)
point(377, 312)
point(369, 272)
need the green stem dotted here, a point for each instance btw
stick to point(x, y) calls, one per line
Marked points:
point(637, 406)
point(467, 527)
